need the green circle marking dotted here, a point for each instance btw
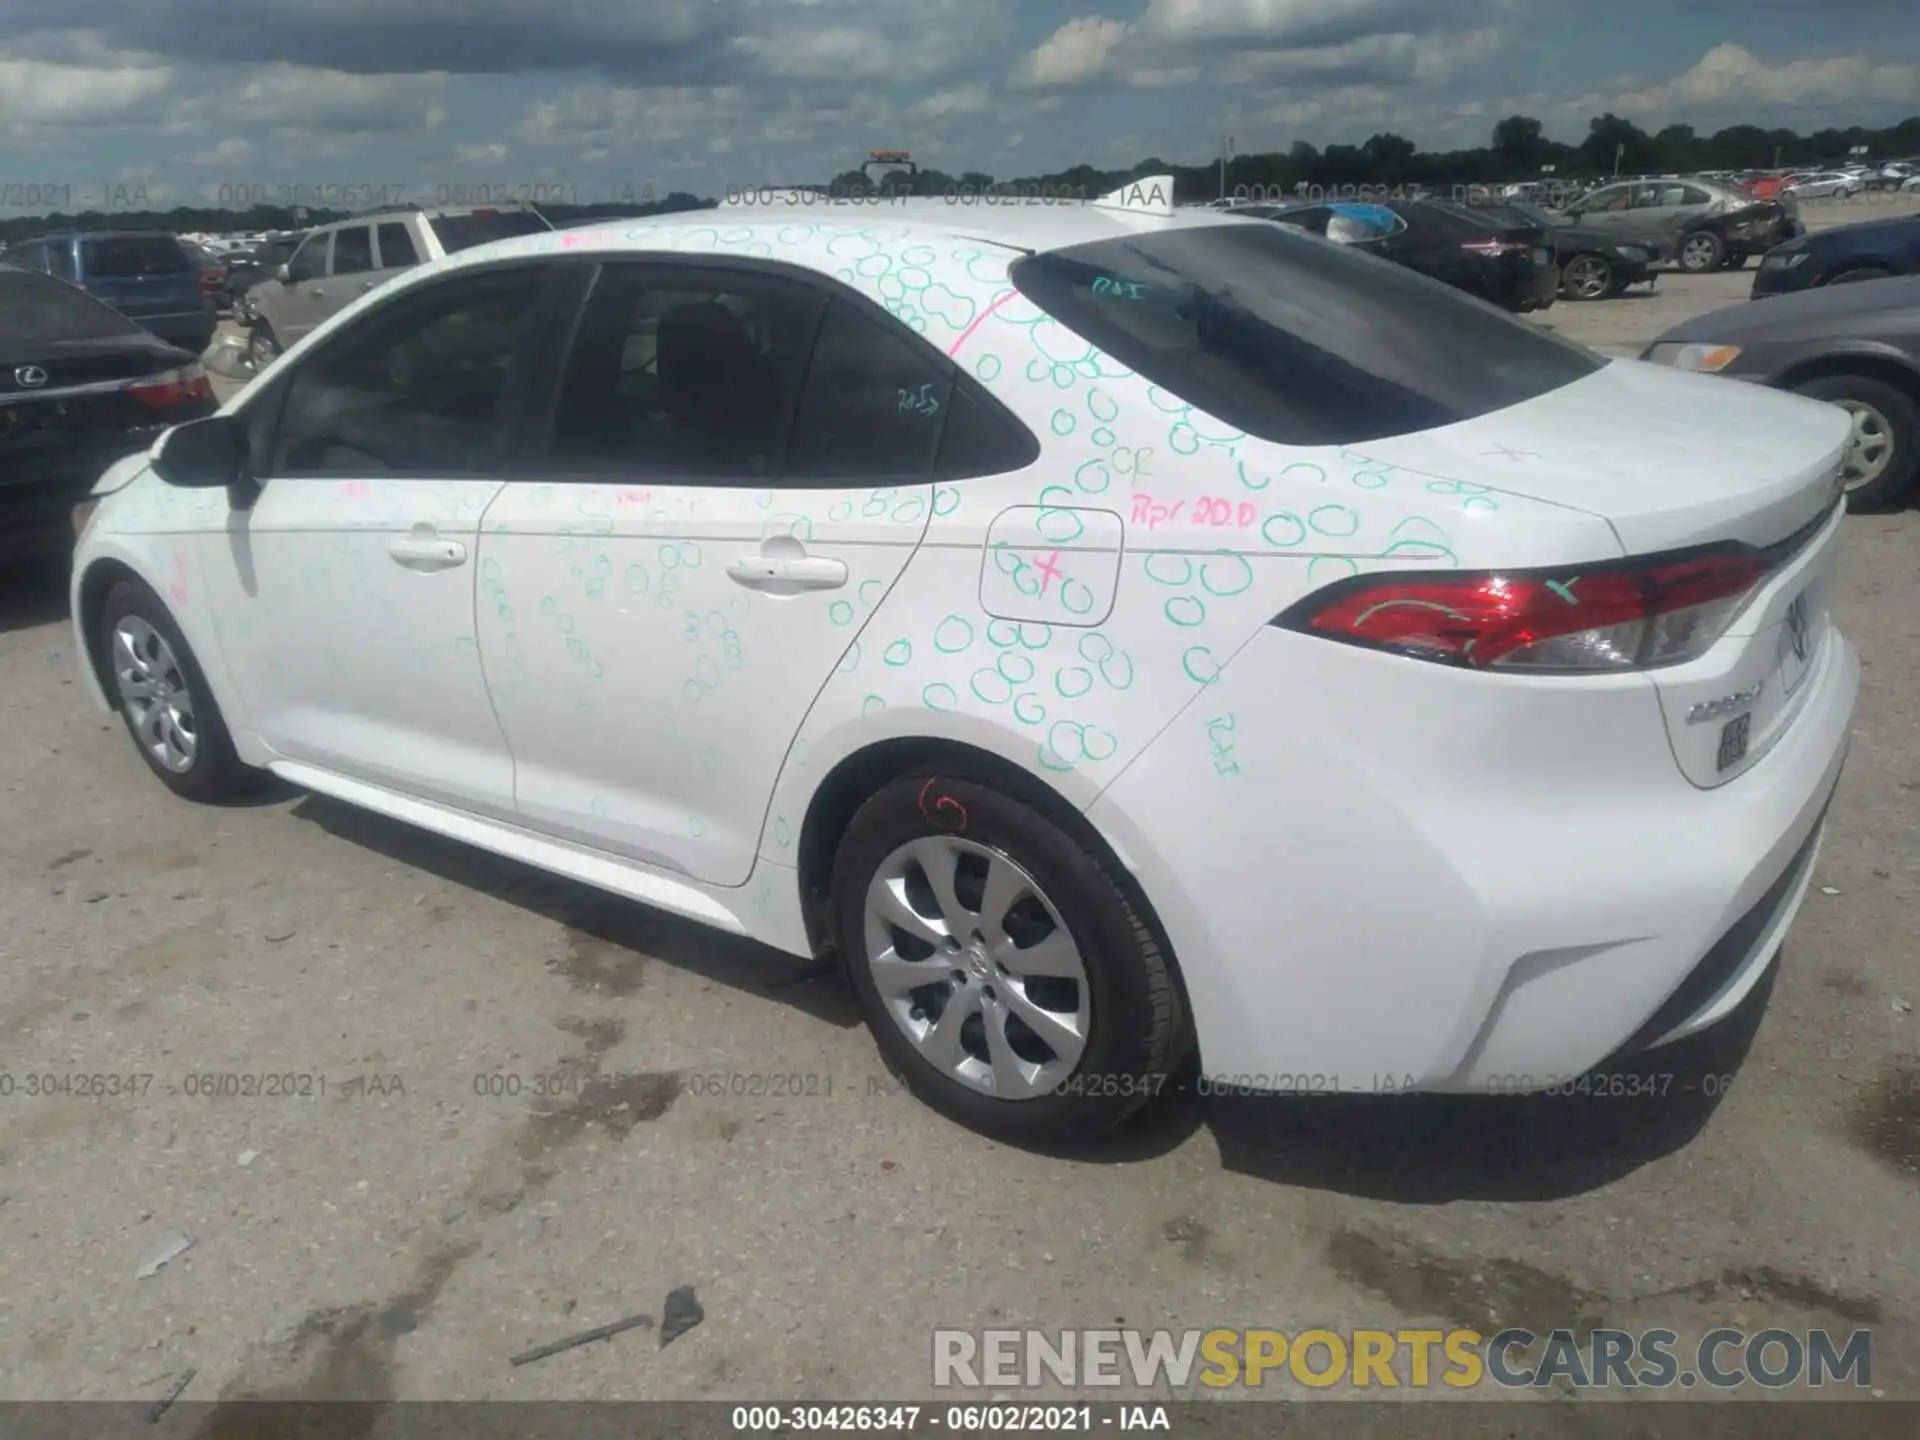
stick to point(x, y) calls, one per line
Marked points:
point(1157, 563)
point(1329, 519)
point(840, 612)
point(1080, 684)
point(1185, 611)
point(939, 697)
point(953, 634)
point(898, 653)
point(1200, 665)
point(1226, 559)
point(1291, 527)
point(1063, 422)
point(1016, 667)
point(1070, 584)
point(999, 691)
point(1027, 708)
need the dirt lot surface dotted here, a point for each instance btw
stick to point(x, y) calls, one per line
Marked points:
point(417, 1210)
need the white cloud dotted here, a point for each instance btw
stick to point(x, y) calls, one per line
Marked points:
point(230, 151)
point(1079, 52)
point(492, 150)
point(969, 100)
point(38, 100)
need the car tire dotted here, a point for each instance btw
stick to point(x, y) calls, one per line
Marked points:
point(1861, 272)
point(1885, 455)
point(145, 650)
point(1103, 966)
point(1590, 277)
point(263, 347)
point(1700, 252)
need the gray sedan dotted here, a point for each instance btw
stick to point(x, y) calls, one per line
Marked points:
point(1855, 345)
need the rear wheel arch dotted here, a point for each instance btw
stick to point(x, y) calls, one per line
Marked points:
point(1852, 274)
point(1874, 367)
point(864, 773)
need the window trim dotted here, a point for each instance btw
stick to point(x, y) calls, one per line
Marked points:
point(511, 419)
point(537, 429)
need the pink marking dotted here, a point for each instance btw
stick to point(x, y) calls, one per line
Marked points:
point(634, 497)
point(567, 242)
point(178, 589)
point(354, 489)
point(979, 320)
point(1049, 569)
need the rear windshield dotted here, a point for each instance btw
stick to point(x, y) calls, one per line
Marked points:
point(1294, 340)
point(39, 307)
point(127, 257)
point(463, 232)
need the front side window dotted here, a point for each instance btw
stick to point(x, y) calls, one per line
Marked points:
point(684, 372)
point(309, 260)
point(352, 251)
point(1614, 197)
point(1293, 341)
point(417, 387)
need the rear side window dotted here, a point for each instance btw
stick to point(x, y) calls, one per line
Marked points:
point(874, 402)
point(463, 232)
point(133, 257)
point(396, 247)
point(37, 307)
point(981, 439)
point(1294, 341)
point(353, 251)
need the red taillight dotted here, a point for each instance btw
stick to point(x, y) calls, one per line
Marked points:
point(176, 387)
point(1612, 617)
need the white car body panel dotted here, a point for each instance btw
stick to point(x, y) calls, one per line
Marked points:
point(1349, 893)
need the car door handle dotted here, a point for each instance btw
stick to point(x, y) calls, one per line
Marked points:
point(427, 554)
point(805, 573)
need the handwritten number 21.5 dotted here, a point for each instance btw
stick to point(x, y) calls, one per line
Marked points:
point(1223, 761)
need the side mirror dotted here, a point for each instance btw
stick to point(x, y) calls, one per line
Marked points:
point(283, 274)
point(207, 454)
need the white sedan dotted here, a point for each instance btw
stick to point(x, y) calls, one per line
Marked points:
point(1115, 633)
point(1828, 186)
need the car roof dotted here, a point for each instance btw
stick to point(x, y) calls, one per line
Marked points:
point(1016, 225)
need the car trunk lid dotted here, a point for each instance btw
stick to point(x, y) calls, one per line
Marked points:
point(1667, 458)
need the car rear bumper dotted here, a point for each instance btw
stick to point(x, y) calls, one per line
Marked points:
point(1419, 876)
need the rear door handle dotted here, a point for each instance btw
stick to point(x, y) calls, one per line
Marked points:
point(425, 554)
point(805, 573)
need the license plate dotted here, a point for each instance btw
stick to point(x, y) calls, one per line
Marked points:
point(1733, 741)
point(1797, 644)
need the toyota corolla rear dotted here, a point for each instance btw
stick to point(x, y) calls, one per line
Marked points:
point(1525, 769)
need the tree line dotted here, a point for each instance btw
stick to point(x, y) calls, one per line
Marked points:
point(1518, 149)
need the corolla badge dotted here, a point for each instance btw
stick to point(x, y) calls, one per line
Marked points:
point(29, 377)
point(1725, 705)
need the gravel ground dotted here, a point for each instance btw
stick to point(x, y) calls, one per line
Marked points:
point(395, 1229)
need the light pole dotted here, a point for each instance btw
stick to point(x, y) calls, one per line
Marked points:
point(1225, 151)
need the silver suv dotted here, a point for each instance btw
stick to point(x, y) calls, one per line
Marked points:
point(339, 262)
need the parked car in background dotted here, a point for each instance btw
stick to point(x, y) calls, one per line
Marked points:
point(1890, 176)
point(1857, 346)
point(1869, 250)
point(1592, 265)
point(80, 386)
point(1503, 258)
point(148, 276)
point(249, 268)
point(1471, 835)
point(1826, 185)
point(336, 264)
point(1700, 224)
point(213, 270)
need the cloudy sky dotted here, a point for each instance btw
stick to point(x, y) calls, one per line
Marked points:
point(185, 97)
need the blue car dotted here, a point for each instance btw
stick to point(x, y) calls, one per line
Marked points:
point(1871, 250)
point(148, 276)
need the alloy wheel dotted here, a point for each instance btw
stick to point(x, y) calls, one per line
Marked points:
point(1697, 254)
point(155, 694)
point(1871, 447)
point(974, 964)
point(1589, 277)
